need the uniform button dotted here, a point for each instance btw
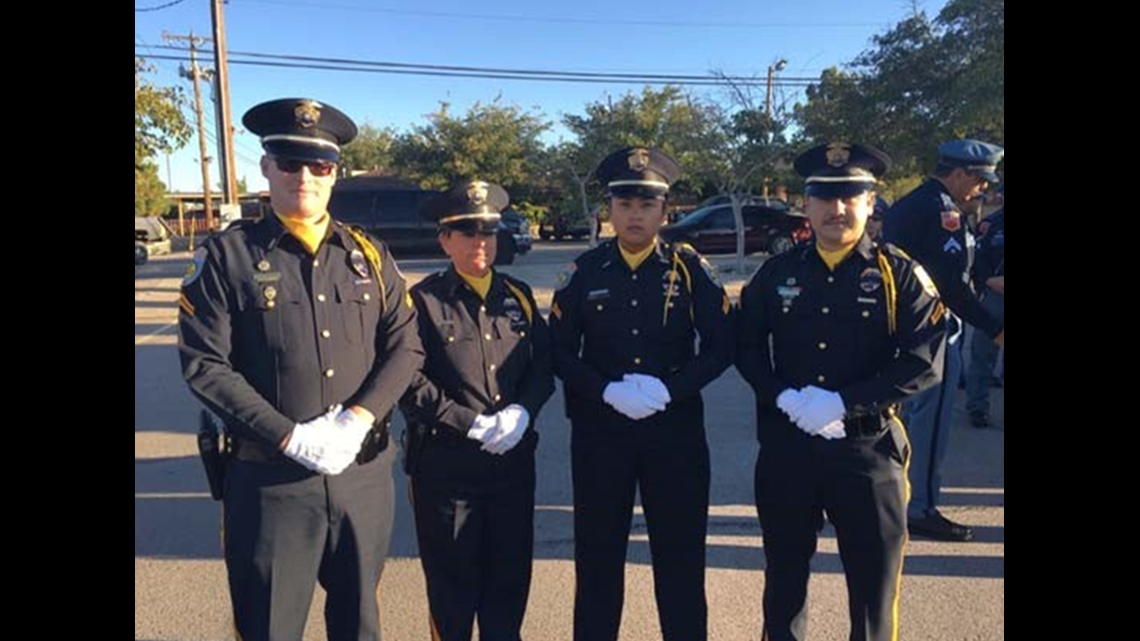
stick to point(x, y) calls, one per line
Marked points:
point(332, 407)
point(831, 279)
point(491, 367)
point(321, 297)
point(821, 378)
point(486, 337)
point(823, 346)
point(330, 372)
point(451, 339)
point(635, 276)
point(498, 397)
point(633, 302)
point(522, 334)
point(367, 296)
point(636, 332)
point(325, 333)
point(637, 361)
point(787, 310)
point(866, 314)
point(826, 310)
point(600, 308)
point(316, 263)
point(483, 308)
point(271, 304)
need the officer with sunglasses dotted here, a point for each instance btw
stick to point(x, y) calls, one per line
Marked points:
point(471, 416)
point(297, 331)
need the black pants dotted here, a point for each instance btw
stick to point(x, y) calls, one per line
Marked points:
point(287, 528)
point(861, 484)
point(667, 457)
point(475, 526)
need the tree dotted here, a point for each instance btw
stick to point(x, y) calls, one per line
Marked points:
point(159, 127)
point(922, 82)
point(493, 142)
point(371, 151)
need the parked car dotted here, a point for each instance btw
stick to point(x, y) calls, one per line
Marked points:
point(712, 230)
point(559, 226)
point(514, 237)
point(141, 255)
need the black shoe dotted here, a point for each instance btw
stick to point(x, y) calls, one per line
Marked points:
point(938, 527)
point(979, 419)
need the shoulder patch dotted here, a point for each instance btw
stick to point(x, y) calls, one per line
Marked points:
point(194, 270)
point(566, 276)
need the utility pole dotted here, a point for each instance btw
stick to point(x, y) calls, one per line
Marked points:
point(195, 74)
point(224, 118)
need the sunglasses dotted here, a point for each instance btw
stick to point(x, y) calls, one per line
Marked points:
point(319, 168)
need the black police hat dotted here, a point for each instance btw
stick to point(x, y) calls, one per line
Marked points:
point(975, 156)
point(473, 206)
point(840, 170)
point(638, 171)
point(300, 128)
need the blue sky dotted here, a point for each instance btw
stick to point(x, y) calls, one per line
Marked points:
point(738, 37)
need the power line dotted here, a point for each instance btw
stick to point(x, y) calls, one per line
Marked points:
point(683, 24)
point(531, 75)
point(159, 7)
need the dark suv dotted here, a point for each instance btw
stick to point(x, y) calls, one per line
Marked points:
point(767, 228)
point(388, 209)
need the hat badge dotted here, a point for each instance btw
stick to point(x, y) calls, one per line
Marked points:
point(477, 193)
point(838, 154)
point(307, 113)
point(639, 159)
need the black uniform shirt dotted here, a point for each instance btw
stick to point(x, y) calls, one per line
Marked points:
point(803, 324)
point(272, 336)
point(608, 321)
point(482, 355)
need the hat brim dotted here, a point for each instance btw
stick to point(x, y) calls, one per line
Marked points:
point(990, 176)
point(837, 190)
point(473, 226)
point(637, 191)
point(301, 151)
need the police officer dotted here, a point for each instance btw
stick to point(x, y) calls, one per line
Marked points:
point(297, 331)
point(625, 323)
point(929, 225)
point(832, 336)
point(989, 280)
point(471, 424)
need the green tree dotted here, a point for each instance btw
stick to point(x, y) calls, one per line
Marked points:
point(372, 150)
point(159, 127)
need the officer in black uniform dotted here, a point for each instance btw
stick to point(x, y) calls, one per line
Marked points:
point(471, 424)
point(625, 323)
point(832, 336)
point(989, 280)
point(928, 224)
point(297, 331)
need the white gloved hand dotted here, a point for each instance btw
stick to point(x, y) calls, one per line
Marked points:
point(791, 402)
point(484, 428)
point(630, 401)
point(513, 422)
point(314, 444)
point(651, 386)
point(833, 430)
point(822, 407)
point(348, 437)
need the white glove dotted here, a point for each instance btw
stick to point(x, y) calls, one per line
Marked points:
point(791, 402)
point(484, 428)
point(513, 422)
point(651, 386)
point(833, 430)
point(822, 407)
point(315, 444)
point(627, 399)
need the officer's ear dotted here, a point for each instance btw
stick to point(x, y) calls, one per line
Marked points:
point(265, 165)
